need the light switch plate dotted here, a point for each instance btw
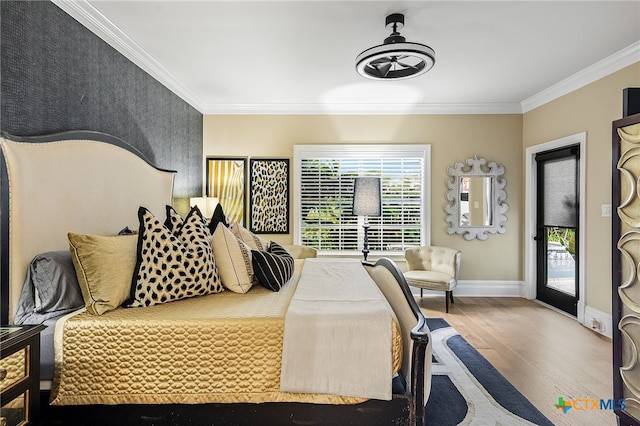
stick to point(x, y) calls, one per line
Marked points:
point(606, 210)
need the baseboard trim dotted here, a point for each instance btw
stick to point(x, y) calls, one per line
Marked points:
point(598, 321)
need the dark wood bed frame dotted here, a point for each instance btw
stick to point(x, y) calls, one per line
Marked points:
point(405, 408)
point(370, 413)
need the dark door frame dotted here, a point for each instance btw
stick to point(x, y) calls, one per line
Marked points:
point(546, 293)
point(529, 288)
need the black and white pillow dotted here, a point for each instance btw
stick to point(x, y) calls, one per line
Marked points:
point(272, 268)
point(174, 221)
point(218, 217)
point(172, 266)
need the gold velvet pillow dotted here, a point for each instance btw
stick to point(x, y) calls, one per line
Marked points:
point(104, 266)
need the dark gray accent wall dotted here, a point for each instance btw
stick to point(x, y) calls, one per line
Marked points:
point(56, 75)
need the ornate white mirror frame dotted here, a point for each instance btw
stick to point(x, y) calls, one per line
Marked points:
point(476, 199)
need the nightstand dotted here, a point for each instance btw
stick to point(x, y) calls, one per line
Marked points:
point(19, 374)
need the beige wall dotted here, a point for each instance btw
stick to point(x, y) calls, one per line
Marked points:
point(499, 138)
point(452, 138)
point(590, 109)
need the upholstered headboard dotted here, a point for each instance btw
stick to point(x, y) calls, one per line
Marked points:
point(83, 182)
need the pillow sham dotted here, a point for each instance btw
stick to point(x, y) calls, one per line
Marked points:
point(217, 218)
point(194, 231)
point(173, 220)
point(248, 237)
point(172, 267)
point(50, 289)
point(233, 260)
point(273, 268)
point(127, 231)
point(104, 266)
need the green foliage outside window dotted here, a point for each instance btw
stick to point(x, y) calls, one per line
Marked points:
point(564, 236)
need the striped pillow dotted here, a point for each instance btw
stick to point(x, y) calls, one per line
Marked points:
point(272, 268)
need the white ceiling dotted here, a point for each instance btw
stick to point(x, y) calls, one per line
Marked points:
point(234, 57)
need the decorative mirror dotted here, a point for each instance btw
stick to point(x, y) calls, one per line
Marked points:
point(475, 197)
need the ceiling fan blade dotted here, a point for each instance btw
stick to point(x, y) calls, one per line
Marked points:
point(380, 61)
point(384, 69)
point(404, 65)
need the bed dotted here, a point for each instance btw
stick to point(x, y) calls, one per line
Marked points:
point(223, 355)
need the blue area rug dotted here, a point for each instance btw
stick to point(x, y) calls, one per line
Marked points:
point(466, 388)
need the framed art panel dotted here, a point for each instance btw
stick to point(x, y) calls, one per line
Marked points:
point(269, 196)
point(226, 180)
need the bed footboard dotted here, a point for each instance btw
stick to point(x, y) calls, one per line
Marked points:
point(421, 346)
point(372, 412)
point(416, 335)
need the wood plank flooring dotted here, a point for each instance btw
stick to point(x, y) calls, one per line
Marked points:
point(544, 354)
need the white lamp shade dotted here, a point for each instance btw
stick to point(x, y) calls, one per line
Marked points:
point(206, 205)
point(366, 196)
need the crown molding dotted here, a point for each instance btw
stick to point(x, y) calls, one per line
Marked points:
point(87, 15)
point(361, 109)
point(91, 18)
point(96, 22)
point(619, 60)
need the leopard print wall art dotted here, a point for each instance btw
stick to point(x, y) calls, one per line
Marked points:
point(269, 196)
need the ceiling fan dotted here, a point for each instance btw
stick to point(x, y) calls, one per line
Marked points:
point(396, 58)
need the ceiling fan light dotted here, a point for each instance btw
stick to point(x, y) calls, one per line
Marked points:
point(399, 60)
point(396, 59)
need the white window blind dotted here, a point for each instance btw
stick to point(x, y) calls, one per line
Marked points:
point(323, 196)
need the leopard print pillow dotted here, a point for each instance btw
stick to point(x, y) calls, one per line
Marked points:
point(174, 221)
point(172, 267)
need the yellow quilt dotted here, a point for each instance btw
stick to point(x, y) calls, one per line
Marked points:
point(224, 347)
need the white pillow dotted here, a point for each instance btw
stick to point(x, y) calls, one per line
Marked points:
point(233, 260)
point(249, 238)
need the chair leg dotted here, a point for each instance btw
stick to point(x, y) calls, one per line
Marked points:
point(451, 294)
point(420, 293)
point(446, 299)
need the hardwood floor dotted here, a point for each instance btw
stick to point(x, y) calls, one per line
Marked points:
point(544, 354)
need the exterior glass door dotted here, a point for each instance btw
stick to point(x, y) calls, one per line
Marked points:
point(557, 228)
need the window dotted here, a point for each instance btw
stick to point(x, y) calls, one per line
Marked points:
point(323, 191)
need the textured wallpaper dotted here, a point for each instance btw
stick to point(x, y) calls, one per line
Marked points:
point(56, 75)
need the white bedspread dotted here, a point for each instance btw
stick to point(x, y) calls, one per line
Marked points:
point(337, 333)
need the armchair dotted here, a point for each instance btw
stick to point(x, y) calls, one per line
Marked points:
point(433, 268)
